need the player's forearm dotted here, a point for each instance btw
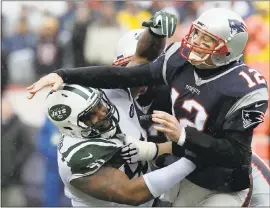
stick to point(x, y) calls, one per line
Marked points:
point(109, 76)
point(225, 152)
point(162, 180)
point(150, 46)
point(131, 192)
point(113, 185)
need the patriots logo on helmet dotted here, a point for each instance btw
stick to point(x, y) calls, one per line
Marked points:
point(237, 26)
point(251, 117)
point(119, 57)
point(138, 35)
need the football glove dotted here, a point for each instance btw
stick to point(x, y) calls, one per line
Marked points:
point(136, 150)
point(162, 24)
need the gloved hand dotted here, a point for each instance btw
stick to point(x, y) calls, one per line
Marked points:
point(162, 24)
point(136, 150)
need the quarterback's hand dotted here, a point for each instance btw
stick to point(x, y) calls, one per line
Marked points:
point(162, 23)
point(169, 125)
point(136, 150)
point(51, 79)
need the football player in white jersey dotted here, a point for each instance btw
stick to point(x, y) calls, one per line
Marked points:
point(90, 164)
point(129, 123)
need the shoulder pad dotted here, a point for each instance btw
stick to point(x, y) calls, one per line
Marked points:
point(259, 95)
point(172, 61)
point(89, 156)
point(168, 47)
point(242, 81)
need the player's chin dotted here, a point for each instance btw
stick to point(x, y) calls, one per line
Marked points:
point(106, 125)
point(198, 53)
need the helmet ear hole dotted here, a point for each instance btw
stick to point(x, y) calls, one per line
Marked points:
point(227, 54)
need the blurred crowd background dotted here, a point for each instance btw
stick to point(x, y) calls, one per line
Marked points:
point(38, 37)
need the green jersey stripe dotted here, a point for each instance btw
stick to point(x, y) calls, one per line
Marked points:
point(82, 145)
point(65, 154)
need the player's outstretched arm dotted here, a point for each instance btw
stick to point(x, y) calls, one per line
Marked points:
point(161, 25)
point(107, 77)
point(113, 185)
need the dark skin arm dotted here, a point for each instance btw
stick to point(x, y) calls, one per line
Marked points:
point(148, 48)
point(110, 184)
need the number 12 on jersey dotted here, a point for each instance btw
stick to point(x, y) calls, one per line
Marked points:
point(189, 105)
point(257, 77)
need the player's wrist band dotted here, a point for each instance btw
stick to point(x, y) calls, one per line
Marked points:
point(182, 137)
point(62, 74)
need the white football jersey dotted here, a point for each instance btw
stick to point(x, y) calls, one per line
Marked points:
point(79, 157)
point(129, 122)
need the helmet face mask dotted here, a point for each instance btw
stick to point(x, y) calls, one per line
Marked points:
point(107, 123)
point(201, 53)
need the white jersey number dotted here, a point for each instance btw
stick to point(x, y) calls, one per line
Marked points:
point(190, 105)
point(257, 76)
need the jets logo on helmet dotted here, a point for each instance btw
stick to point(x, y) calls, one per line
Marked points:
point(72, 108)
point(59, 112)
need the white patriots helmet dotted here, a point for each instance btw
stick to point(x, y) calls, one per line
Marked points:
point(72, 102)
point(227, 28)
point(126, 47)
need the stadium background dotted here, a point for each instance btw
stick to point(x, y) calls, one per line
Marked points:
point(39, 37)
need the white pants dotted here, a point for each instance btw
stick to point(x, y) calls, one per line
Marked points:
point(190, 194)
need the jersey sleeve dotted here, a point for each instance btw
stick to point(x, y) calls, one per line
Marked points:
point(248, 112)
point(110, 77)
point(86, 158)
